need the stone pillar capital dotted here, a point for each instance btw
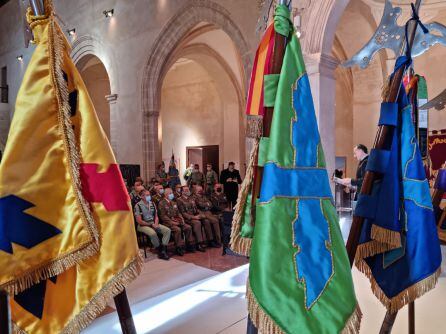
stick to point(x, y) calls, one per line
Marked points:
point(322, 64)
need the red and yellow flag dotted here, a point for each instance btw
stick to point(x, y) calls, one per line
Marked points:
point(73, 243)
point(261, 67)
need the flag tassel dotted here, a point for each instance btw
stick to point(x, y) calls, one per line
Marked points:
point(386, 236)
point(403, 298)
point(238, 243)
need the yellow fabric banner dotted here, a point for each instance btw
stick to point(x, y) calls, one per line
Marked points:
point(61, 158)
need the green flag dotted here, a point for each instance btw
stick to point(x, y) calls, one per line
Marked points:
point(299, 279)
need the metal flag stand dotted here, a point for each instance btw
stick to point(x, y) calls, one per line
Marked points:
point(382, 142)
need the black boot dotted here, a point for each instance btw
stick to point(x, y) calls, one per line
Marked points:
point(190, 249)
point(200, 248)
point(162, 253)
point(180, 251)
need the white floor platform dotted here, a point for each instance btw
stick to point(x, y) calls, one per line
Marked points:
point(217, 305)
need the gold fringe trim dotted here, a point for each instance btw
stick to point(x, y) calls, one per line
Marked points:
point(266, 325)
point(386, 236)
point(238, 243)
point(353, 323)
point(368, 249)
point(58, 47)
point(99, 301)
point(260, 319)
point(403, 298)
point(47, 270)
point(115, 286)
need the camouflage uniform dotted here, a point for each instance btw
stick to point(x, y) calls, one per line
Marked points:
point(171, 217)
point(196, 178)
point(211, 180)
point(156, 198)
point(204, 206)
point(189, 210)
point(219, 202)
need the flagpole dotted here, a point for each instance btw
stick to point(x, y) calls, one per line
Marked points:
point(382, 141)
point(124, 313)
point(276, 67)
point(5, 316)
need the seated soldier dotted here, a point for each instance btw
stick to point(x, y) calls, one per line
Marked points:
point(219, 201)
point(158, 194)
point(148, 223)
point(171, 217)
point(190, 213)
point(204, 206)
point(134, 195)
point(178, 190)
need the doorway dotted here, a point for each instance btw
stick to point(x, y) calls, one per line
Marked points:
point(203, 155)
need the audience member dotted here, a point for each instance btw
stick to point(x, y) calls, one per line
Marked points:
point(161, 175)
point(173, 175)
point(178, 190)
point(230, 178)
point(188, 172)
point(171, 217)
point(189, 211)
point(148, 223)
point(204, 206)
point(197, 177)
point(211, 179)
point(159, 192)
point(219, 201)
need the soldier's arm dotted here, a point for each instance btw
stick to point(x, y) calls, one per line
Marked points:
point(163, 214)
point(138, 216)
point(182, 209)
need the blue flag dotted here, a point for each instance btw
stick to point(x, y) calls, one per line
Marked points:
point(399, 249)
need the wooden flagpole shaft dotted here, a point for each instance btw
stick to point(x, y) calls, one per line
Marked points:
point(124, 313)
point(5, 316)
point(383, 140)
point(276, 67)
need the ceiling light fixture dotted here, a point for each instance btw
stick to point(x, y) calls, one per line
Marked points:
point(71, 32)
point(108, 13)
point(20, 58)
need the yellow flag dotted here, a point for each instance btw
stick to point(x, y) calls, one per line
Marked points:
point(72, 171)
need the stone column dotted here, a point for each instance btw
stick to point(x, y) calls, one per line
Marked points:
point(114, 127)
point(320, 69)
point(151, 145)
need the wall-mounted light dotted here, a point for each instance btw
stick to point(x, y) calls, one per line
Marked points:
point(71, 32)
point(108, 13)
point(19, 58)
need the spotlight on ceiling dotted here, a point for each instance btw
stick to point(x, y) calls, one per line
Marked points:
point(108, 13)
point(71, 32)
point(20, 58)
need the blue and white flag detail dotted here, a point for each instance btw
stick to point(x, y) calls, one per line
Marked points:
point(399, 249)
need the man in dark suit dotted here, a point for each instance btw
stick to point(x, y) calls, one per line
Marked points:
point(230, 178)
point(360, 152)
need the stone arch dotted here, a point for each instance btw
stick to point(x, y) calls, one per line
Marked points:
point(195, 12)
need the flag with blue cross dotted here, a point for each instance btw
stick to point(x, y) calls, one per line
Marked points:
point(398, 250)
point(299, 277)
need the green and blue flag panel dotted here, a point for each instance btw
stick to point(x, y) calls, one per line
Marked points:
point(300, 279)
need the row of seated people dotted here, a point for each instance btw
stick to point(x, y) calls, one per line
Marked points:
point(164, 213)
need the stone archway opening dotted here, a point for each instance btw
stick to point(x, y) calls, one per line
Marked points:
point(202, 99)
point(193, 24)
point(97, 81)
